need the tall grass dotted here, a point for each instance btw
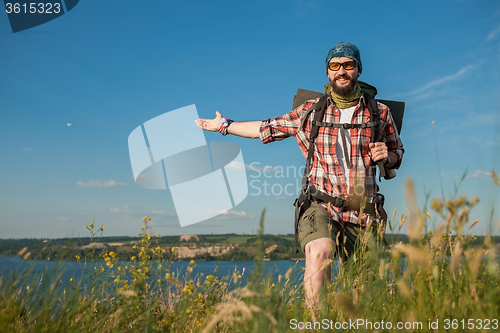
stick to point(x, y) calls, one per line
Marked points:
point(438, 276)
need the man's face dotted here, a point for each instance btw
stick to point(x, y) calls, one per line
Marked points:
point(343, 81)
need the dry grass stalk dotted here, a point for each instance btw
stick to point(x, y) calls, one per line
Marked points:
point(456, 256)
point(20, 253)
point(382, 269)
point(437, 238)
point(473, 224)
point(402, 220)
point(474, 259)
point(495, 177)
point(174, 281)
point(412, 207)
point(228, 313)
point(417, 231)
point(239, 293)
point(271, 248)
point(127, 293)
point(327, 263)
point(413, 254)
point(404, 288)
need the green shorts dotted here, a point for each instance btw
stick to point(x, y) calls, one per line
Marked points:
point(314, 224)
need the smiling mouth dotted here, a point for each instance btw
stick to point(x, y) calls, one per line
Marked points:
point(342, 80)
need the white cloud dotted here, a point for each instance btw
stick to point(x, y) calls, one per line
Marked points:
point(480, 174)
point(62, 218)
point(99, 184)
point(236, 166)
point(446, 174)
point(26, 149)
point(127, 209)
point(494, 34)
point(440, 81)
point(233, 214)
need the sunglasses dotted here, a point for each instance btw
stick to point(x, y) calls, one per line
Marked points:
point(348, 65)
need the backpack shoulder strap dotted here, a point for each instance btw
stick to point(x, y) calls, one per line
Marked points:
point(319, 107)
point(372, 106)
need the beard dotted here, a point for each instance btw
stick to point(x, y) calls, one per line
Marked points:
point(344, 91)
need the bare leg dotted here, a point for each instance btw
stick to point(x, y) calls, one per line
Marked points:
point(316, 251)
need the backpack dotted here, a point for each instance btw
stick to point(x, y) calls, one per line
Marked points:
point(308, 191)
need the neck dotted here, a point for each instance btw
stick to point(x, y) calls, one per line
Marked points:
point(344, 102)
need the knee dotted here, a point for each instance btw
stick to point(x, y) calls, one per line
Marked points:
point(317, 255)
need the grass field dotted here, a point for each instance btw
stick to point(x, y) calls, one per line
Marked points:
point(440, 281)
point(238, 239)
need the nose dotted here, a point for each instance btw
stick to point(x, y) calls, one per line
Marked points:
point(341, 70)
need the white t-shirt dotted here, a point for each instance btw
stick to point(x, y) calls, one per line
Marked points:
point(345, 117)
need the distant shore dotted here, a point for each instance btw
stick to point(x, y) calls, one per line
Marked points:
point(230, 247)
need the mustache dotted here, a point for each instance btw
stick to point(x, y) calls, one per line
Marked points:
point(343, 76)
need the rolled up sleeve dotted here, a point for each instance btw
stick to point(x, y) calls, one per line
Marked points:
point(279, 128)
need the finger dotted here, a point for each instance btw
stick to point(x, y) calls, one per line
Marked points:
point(371, 145)
point(218, 114)
point(379, 157)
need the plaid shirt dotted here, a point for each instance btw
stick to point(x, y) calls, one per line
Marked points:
point(326, 174)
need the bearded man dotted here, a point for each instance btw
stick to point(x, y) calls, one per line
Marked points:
point(340, 161)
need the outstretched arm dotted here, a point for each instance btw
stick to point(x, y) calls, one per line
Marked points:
point(246, 129)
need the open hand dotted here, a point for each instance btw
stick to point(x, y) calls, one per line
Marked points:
point(378, 151)
point(211, 125)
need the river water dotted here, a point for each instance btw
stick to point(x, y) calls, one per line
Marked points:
point(72, 269)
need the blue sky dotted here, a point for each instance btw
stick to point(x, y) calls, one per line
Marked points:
point(109, 66)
